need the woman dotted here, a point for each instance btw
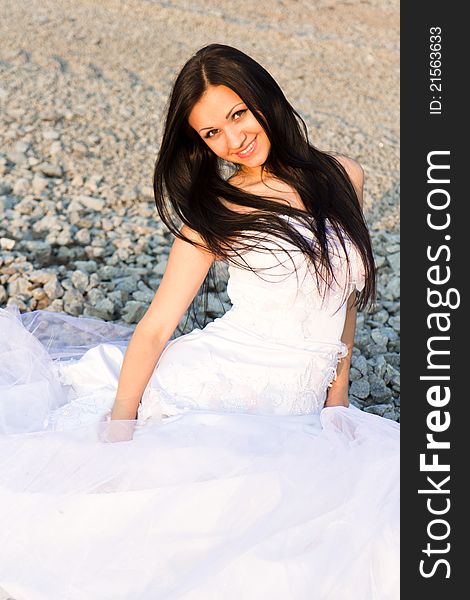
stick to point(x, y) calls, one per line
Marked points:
point(246, 474)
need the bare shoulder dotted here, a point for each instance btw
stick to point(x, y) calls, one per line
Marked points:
point(355, 171)
point(196, 237)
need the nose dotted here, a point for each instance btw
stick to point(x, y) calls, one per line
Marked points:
point(236, 139)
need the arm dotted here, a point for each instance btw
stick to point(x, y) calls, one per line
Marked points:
point(184, 274)
point(338, 392)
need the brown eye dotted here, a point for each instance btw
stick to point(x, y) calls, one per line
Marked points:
point(243, 110)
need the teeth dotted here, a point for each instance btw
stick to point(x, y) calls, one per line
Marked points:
point(250, 147)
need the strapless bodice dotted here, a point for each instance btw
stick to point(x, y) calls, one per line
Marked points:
point(281, 301)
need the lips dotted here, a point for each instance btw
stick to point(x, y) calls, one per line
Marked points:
point(248, 151)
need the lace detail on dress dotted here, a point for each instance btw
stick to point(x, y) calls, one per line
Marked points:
point(225, 385)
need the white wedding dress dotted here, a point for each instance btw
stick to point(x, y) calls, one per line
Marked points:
point(236, 485)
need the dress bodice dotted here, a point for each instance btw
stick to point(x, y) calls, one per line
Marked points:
point(282, 300)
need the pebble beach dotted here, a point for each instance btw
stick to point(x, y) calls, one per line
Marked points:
point(83, 89)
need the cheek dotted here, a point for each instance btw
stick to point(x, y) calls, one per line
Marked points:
point(266, 142)
point(218, 147)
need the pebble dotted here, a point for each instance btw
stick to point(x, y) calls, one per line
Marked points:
point(100, 309)
point(53, 288)
point(90, 202)
point(39, 184)
point(73, 302)
point(360, 388)
point(51, 170)
point(80, 280)
point(133, 311)
point(379, 337)
point(7, 243)
point(378, 389)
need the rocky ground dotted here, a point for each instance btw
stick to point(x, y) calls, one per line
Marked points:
point(83, 87)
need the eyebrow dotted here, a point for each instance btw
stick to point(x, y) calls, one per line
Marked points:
point(227, 116)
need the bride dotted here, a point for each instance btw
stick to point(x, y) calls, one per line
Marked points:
point(227, 462)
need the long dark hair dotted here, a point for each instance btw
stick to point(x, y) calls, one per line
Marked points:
point(189, 185)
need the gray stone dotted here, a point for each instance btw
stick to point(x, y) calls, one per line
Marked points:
point(17, 158)
point(5, 188)
point(362, 339)
point(21, 186)
point(73, 302)
point(56, 306)
point(51, 170)
point(93, 182)
point(42, 277)
point(394, 345)
point(89, 266)
point(144, 296)
point(214, 305)
point(7, 243)
point(159, 268)
point(101, 309)
point(95, 295)
point(80, 280)
point(19, 301)
point(357, 402)
point(39, 184)
point(21, 146)
point(126, 284)
point(20, 285)
point(67, 284)
point(378, 390)
point(395, 322)
point(381, 316)
point(392, 289)
point(109, 273)
point(119, 298)
point(379, 365)
point(380, 261)
point(354, 374)
point(50, 134)
point(83, 237)
point(392, 376)
point(379, 337)
point(391, 333)
point(25, 206)
point(53, 288)
point(133, 311)
point(65, 254)
point(394, 262)
point(360, 388)
point(55, 148)
point(65, 237)
point(94, 281)
point(360, 363)
point(91, 202)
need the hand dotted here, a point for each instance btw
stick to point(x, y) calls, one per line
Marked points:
point(118, 431)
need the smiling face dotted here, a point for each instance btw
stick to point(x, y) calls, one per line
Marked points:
point(230, 129)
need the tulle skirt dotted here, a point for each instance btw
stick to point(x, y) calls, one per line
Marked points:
point(198, 505)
